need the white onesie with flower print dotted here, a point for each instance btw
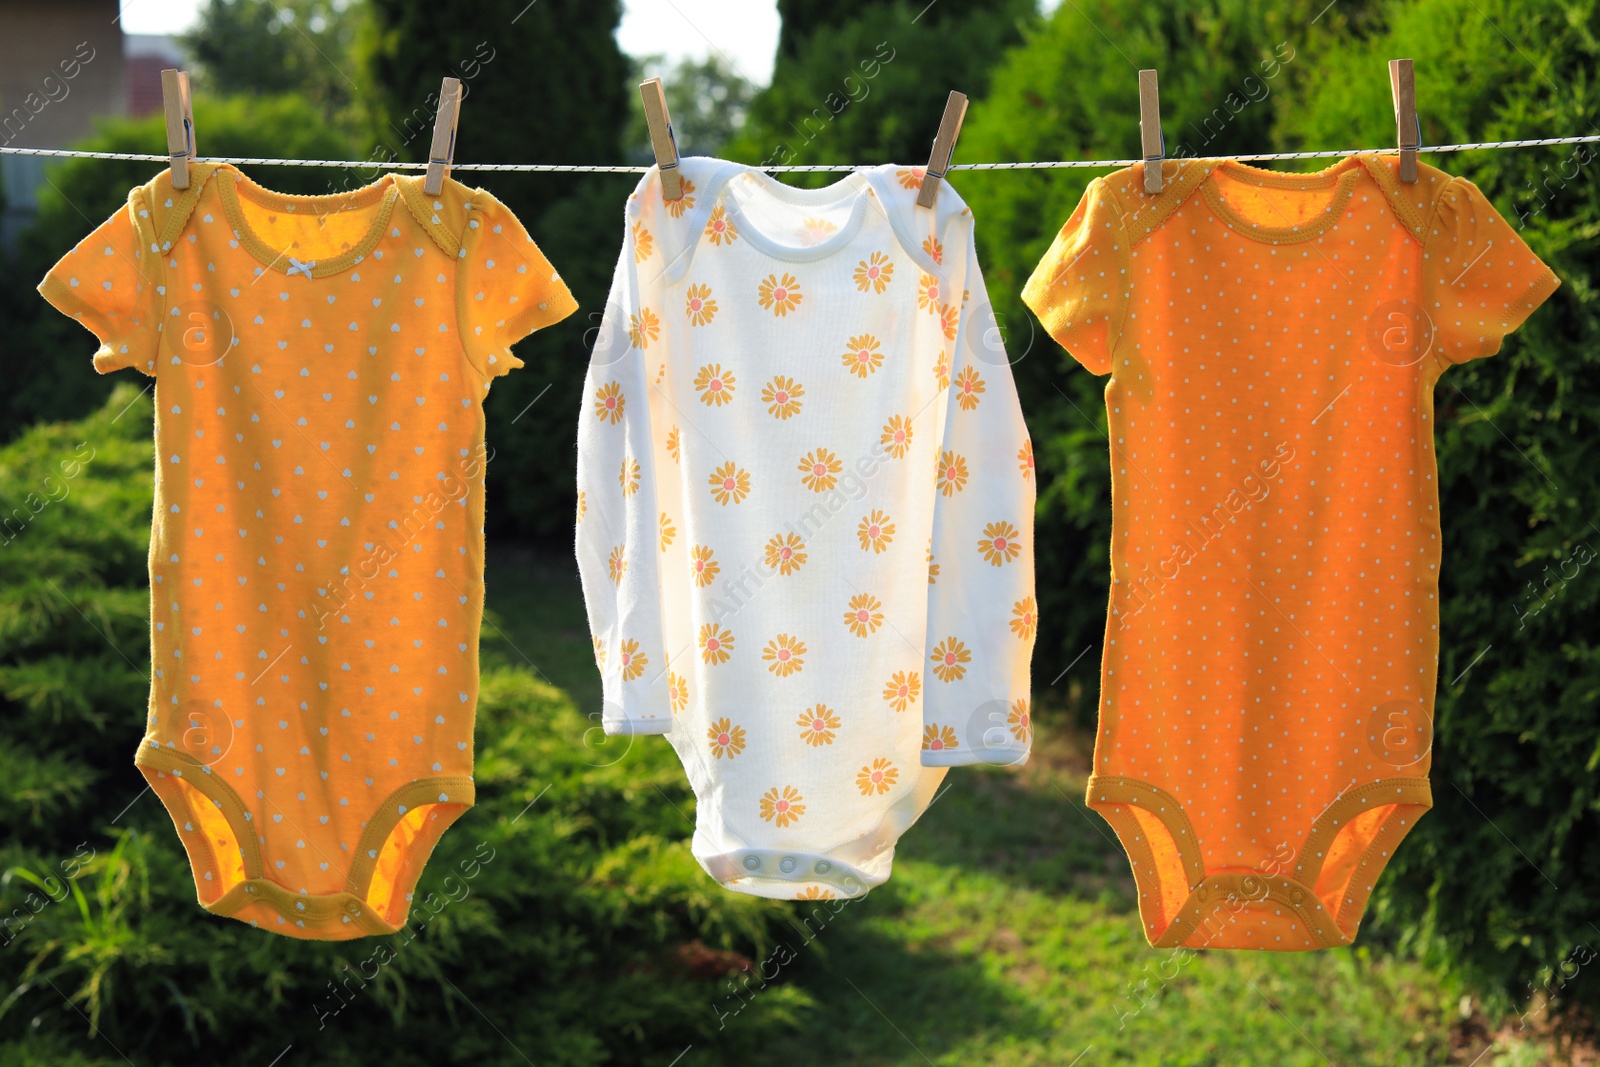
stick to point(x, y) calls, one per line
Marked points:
point(805, 515)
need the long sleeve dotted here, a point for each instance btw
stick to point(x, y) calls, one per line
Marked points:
point(982, 612)
point(620, 529)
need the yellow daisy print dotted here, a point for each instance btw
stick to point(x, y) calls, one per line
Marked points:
point(1024, 618)
point(684, 203)
point(933, 567)
point(715, 385)
point(779, 295)
point(716, 644)
point(875, 532)
point(903, 689)
point(698, 305)
point(937, 738)
point(896, 436)
point(633, 661)
point(815, 892)
point(1025, 460)
point(726, 739)
point(668, 531)
point(677, 692)
point(599, 653)
point(814, 231)
point(628, 477)
point(934, 249)
point(643, 328)
point(583, 505)
point(817, 726)
point(950, 658)
point(786, 553)
point(928, 294)
point(729, 484)
point(782, 397)
point(643, 243)
point(609, 402)
point(862, 357)
point(783, 807)
point(719, 228)
point(704, 568)
point(1019, 721)
point(865, 615)
point(819, 469)
point(672, 444)
point(949, 319)
point(941, 370)
point(877, 777)
point(784, 655)
point(874, 273)
point(617, 565)
point(910, 178)
point(999, 543)
point(952, 473)
point(969, 388)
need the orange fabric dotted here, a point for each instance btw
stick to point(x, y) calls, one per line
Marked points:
point(1273, 342)
point(316, 556)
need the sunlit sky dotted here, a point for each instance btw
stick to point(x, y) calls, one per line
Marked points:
point(744, 32)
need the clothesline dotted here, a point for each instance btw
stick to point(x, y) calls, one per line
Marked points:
point(260, 161)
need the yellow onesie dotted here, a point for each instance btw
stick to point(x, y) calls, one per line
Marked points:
point(316, 554)
point(1273, 342)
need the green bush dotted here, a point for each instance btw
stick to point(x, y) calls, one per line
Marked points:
point(562, 919)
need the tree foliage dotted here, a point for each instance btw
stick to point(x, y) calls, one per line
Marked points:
point(867, 83)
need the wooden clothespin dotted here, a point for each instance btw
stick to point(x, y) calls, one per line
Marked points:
point(1402, 84)
point(662, 140)
point(1152, 145)
point(179, 108)
point(944, 148)
point(443, 150)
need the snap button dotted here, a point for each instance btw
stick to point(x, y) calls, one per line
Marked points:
point(787, 864)
point(1296, 896)
point(823, 867)
point(249, 889)
point(752, 862)
point(300, 905)
point(352, 907)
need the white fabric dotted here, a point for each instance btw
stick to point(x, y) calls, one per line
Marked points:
point(698, 450)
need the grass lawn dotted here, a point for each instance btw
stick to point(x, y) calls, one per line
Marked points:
point(1008, 934)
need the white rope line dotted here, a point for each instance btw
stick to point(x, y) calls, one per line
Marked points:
point(574, 168)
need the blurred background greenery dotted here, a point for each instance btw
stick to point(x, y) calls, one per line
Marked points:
point(1008, 934)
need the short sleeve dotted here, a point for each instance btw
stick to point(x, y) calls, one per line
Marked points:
point(505, 287)
point(1079, 290)
point(1481, 280)
point(109, 284)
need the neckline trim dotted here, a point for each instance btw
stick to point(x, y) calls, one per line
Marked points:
point(789, 194)
point(383, 192)
point(1341, 177)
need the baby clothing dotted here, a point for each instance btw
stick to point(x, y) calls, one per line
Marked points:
point(805, 515)
point(1267, 688)
point(316, 555)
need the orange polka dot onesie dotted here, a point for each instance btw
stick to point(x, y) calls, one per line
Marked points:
point(316, 555)
point(1272, 639)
